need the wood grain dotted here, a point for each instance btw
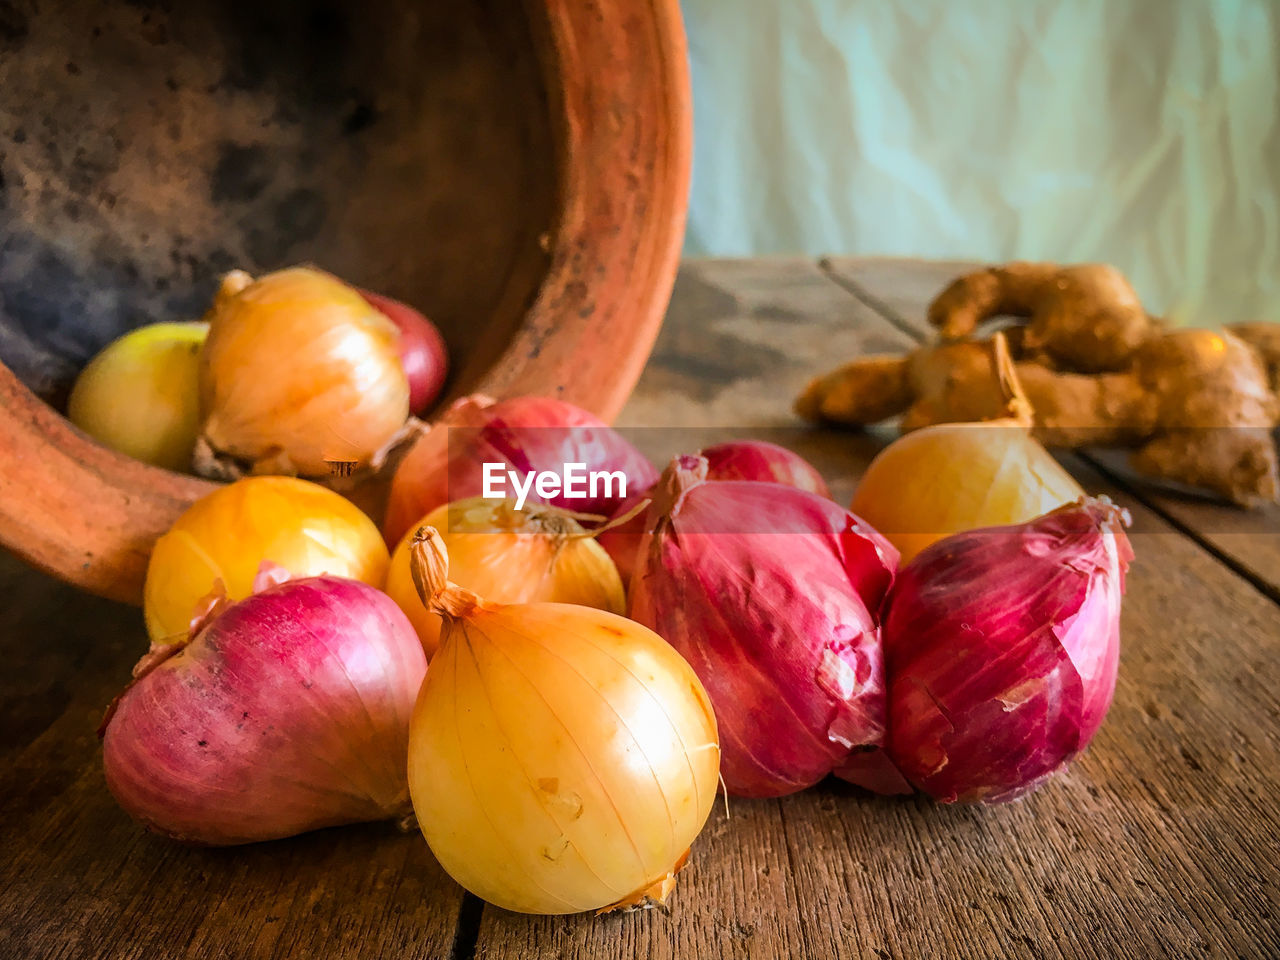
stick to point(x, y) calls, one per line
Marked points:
point(1248, 540)
point(1160, 842)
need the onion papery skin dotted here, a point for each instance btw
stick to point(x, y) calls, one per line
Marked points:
point(1002, 647)
point(525, 434)
point(773, 595)
point(301, 526)
point(561, 758)
point(288, 712)
point(140, 396)
point(299, 372)
point(762, 461)
point(952, 477)
point(422, 350)
point(755, 460)
point(508, 556)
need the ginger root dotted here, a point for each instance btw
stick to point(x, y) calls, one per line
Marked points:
point(1196, 405)
point(950, 382)
point(1215, 414)
point(1265, 339)
point(958, 382)
point(1086, 318)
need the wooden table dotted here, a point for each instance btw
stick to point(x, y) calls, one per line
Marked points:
point(1162, 841)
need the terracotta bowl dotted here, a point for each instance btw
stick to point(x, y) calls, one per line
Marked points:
point(518, 171)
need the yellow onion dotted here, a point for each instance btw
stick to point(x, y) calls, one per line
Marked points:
point(139, 395)
point(509, 556)
point(300, 372)
point(561, 758)
point(295, 524)
point(952, 477)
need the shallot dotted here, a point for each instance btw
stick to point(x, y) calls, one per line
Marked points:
point(1001, 647)
point(524, 435)
point(756, 460)
point(773, 595)
point(763, 461)
point(285, 712)
point(422, 350)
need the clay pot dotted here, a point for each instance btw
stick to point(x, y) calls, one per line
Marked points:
point(518, 171)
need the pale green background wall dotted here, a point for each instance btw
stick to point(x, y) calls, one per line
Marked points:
point(1142, 132)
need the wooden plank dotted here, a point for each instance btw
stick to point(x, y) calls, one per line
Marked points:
point(79, 879)
point(741, 339)
point(1248, 540)
point(1160, 841)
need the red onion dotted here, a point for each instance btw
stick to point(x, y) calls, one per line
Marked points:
point(756, 460)
point(1001, 647)
point(764, 461)
point(772, 594)
point(526, 434)
point(422, 350)
point(285, 712)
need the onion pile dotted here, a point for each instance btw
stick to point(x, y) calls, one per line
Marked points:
point(955, 632)
point(558, 756)
point(773, 595)
point(294, 373)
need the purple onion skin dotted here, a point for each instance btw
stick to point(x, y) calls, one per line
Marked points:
point(288, 712)
point(522, 433)
point(781, 627)
point(1001, 647)
point(755, 460)
point(762, 461)
point(542, 433)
